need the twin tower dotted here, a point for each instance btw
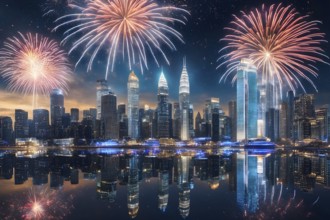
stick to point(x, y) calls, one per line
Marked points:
point(163, 113)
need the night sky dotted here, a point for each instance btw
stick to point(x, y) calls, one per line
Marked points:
point(204, 28)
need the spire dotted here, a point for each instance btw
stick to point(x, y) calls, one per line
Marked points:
point(184, 79)
point(184, 62)
point(132, 76)
point(162, 81)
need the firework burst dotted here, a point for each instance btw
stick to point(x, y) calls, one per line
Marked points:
point(33, 64)
point(38, 202)
point(132, 28)
point(282, 44)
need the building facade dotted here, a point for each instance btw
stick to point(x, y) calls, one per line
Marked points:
point(162, 109)
point(133, 106)
point(184, 93)
point(102, 88)
point(109, 122)
point(247, 103)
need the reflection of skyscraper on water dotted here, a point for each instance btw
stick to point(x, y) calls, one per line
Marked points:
point(163, 190)
point(213, 171)
point(107, 181)
point(185, 184)
point(240, 180)
point(250, 181)
point(133, 186)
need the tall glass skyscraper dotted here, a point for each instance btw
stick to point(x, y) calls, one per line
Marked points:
point(247, 102)
point(21, 124)
point(109, 116)
point(184, 92)
point(56, 111)
point(162, 110)
point(102, 89)
point(133, 105)
point(41, 123)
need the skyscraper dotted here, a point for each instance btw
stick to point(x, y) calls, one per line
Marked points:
point(21, 124)
point(247, 105)
point(290, 114)
point(304, 111)
point(170, 120)
point(233, 119)
point(162, 110)
point(191, 121)
point(6, 129)
point(109, 116)
point(102, 88)
point(322, 117)
point(41, 123)
point(74, 114)
point(133, 105)
point(198, 125)
point(121, 111)
point(184, 92)
point(283, 120)
point(56, 111)
point(176, 120)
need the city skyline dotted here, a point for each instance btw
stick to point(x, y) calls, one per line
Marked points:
point(201, 66)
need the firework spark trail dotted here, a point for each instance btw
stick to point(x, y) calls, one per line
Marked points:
point(33, 64)
point(282, 44)
point(133, 28)
point(59, 7)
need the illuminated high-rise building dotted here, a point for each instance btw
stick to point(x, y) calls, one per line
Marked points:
point(56, 111)
point(322, 117)
point(176, 121)
point(233, 119)
point(41, 123)
point(102, 88)
point(191, 121)
point(74, 115)
point(109, 116)
point(184, 93)
point(247, 105)
point(21, 124)
point(290, 114)
point(6, 129)
point(133, 105)
point(198, 124)
point(162, 110)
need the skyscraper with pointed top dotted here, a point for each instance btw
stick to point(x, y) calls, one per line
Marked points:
point(184, 92)
point(133, 105)
point(162, 110)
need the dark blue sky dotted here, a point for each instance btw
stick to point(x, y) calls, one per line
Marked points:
point(201, 34)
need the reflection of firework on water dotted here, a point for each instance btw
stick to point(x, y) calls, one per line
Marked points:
point(33, 64)
point(40, 204)
point(282, 44)
point(135, 29)
point(60, 7)
point(280, 207)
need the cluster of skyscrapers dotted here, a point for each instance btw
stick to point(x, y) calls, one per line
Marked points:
point(260, 112)
point(257, 111)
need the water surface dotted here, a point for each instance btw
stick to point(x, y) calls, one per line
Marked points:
point(164, 184)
